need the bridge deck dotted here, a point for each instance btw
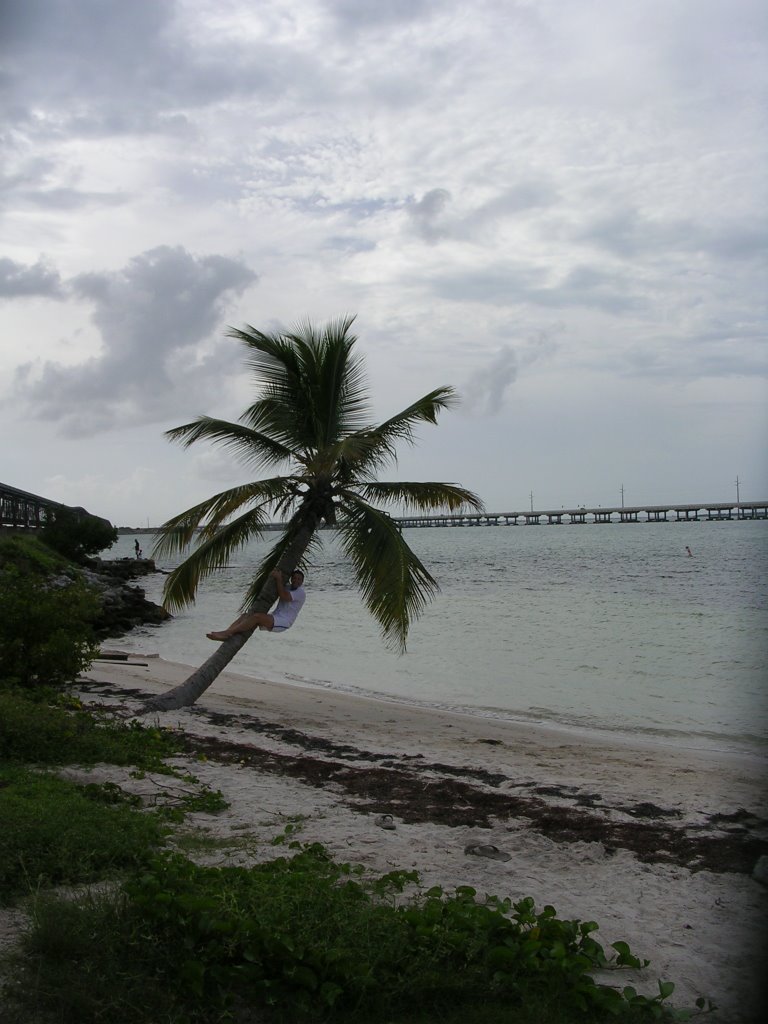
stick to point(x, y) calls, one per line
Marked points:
point(713, 510)
point(22, 510)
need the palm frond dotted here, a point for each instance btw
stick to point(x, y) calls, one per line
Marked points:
point(340, 398)
point(424, 410)
point(343, 461)
point(382, 440)
point(211, 554)
point(177, 533)
point(420, 496)
point(249, 445)
point(313, 389)
point(394, 583)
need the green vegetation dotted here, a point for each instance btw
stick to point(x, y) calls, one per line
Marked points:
point(46, 635)
point(307, 939)
point(77, 535)
point(29, 555)
point(46, 616)
point(55, 831)
point(49, 728)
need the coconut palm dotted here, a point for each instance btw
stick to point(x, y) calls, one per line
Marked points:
point(310, 419)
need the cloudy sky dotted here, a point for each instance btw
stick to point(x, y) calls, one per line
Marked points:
point(556, 206)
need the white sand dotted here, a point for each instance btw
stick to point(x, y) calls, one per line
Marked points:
point(703, 930)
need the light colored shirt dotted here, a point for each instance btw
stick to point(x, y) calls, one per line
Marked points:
point(286, 612)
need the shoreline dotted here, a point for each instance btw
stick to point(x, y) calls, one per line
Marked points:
point(322, 707)
point(656, 844)
point(750, 749)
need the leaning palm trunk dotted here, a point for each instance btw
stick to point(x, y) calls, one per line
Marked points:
point(310, 419)
point(187, 693)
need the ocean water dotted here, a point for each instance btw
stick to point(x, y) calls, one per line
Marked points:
point(607, 627)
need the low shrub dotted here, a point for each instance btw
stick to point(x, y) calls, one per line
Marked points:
point(307, 939)
point(46, 636)
point(76, 534)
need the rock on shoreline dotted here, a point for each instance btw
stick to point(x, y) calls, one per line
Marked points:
point(123, 607)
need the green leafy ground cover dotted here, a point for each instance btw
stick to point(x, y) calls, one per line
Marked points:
point(302, 938)
point(299, 938)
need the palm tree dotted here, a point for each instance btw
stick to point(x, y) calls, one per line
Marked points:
point(310, 418)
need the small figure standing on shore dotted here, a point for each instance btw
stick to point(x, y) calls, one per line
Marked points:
point(290, 601)
point(137, 549)
point(690, 553)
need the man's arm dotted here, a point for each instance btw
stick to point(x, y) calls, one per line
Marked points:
point(282, 591)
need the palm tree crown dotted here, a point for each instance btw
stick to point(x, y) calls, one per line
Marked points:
point(310, 420)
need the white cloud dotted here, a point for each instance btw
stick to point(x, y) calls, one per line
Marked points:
point(467, 179)
point(152, 316)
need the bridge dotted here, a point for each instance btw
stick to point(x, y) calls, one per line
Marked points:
point(20, 510)
point(683, 513)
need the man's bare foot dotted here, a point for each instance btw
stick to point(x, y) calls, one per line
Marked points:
point(217, 635)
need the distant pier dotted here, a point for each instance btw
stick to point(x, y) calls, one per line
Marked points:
point(714, 511)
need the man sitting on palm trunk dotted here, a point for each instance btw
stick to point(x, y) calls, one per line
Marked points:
point(290, 602)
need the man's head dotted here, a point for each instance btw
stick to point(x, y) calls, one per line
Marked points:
point(296, 579)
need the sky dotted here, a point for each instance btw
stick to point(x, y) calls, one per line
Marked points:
point(558, 207)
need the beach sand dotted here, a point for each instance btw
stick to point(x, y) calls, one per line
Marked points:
point(655, 842)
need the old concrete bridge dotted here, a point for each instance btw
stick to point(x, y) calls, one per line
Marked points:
point(675, 513)
point(20, 510)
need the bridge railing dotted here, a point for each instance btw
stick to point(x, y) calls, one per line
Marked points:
point(21, 510)
point(676, 513)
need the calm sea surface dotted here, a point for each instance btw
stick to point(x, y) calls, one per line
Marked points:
point(610, 627)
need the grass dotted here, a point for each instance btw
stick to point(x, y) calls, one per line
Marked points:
point(45, 727)
point(56, 832)
point(30, 555)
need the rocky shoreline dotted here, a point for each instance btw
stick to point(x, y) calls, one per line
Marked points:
point(123, 605)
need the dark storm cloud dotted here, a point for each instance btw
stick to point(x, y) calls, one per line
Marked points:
point(20, 281)
point(152, 315)
point(485, 390)
point(85, 45)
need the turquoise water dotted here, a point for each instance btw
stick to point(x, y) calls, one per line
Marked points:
point(610, 627)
